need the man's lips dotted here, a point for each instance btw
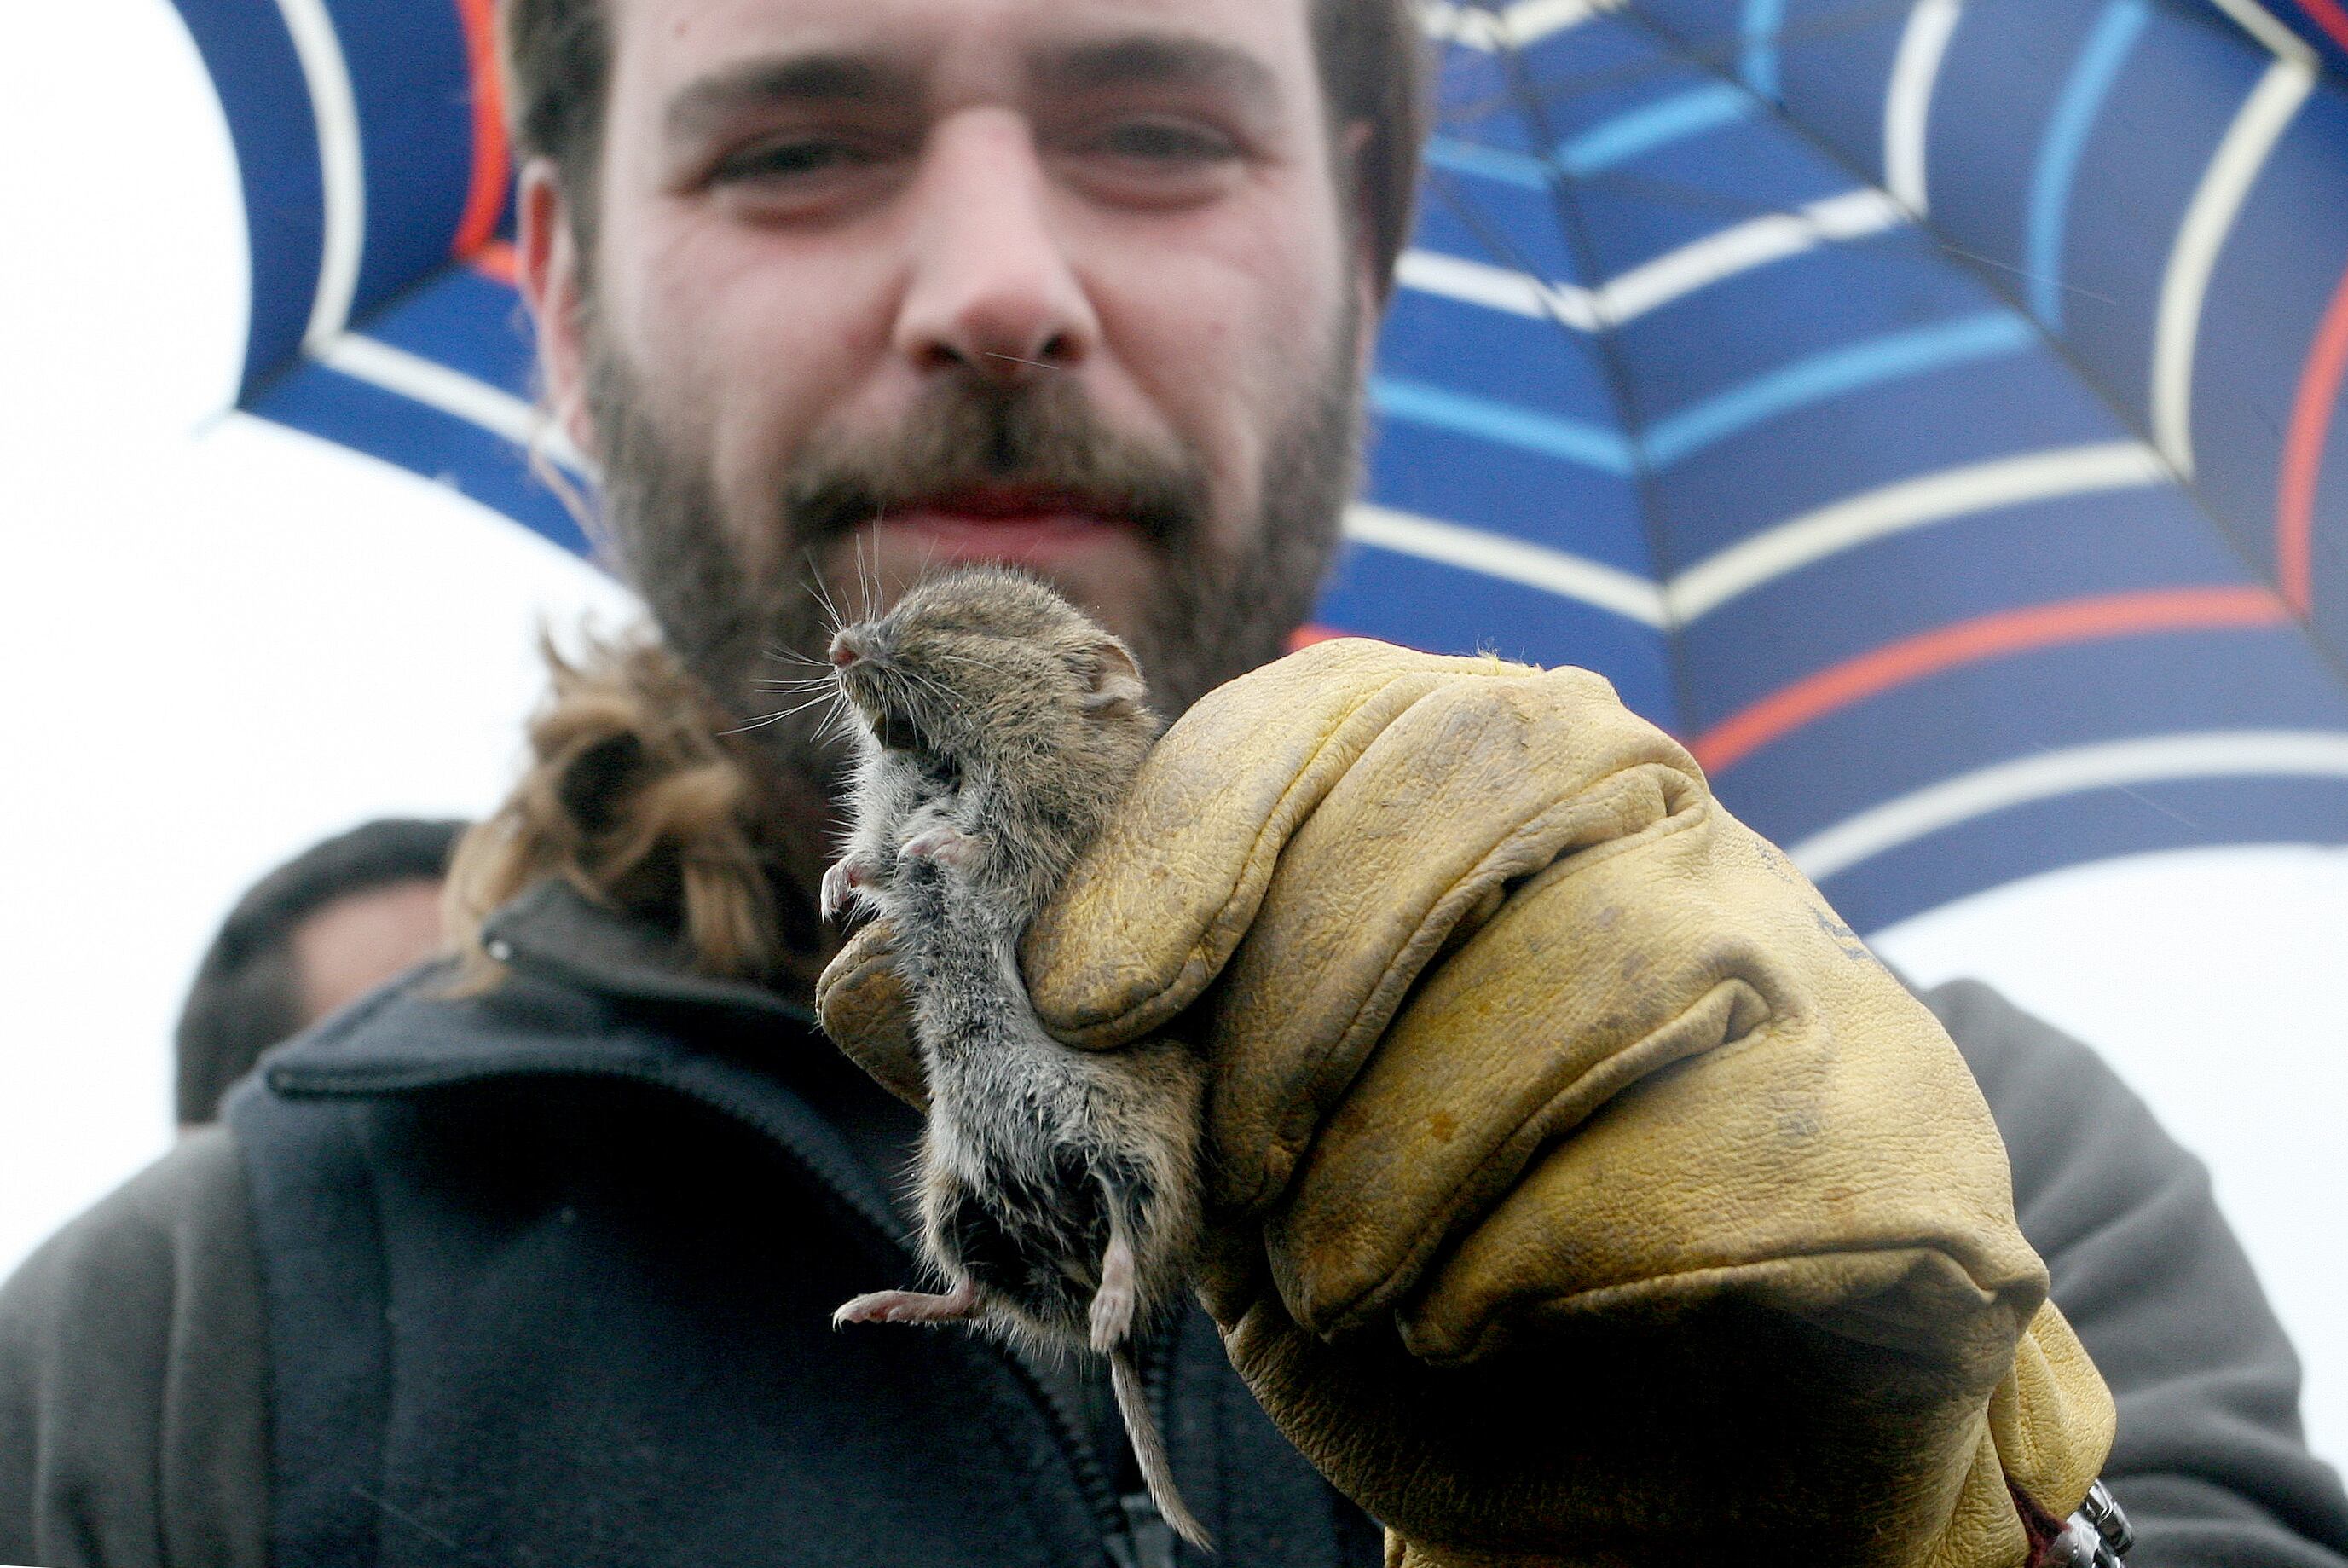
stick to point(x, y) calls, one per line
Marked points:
point(1018, 526)
point(1013, 503)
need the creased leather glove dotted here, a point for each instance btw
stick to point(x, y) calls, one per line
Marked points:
point(1583, 1191)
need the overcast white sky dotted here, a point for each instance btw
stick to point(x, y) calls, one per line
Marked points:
point(223, 640)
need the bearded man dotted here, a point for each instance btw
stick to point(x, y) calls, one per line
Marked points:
point(1582, 1191)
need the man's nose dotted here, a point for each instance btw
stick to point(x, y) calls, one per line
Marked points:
point(992, 290)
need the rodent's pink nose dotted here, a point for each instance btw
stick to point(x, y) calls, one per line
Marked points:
point(843, 652)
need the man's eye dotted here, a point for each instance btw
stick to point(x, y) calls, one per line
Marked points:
point(1164, 141)
point(796, 157)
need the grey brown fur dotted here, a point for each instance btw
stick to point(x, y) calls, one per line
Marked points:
point(1058, 1186)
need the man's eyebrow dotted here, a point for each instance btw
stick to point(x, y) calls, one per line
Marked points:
point(1154, 59)
point(709, 103)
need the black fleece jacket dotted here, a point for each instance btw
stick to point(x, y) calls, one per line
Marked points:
point(135, 1377)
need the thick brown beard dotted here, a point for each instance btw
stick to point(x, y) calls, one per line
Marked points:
point(1216, 615)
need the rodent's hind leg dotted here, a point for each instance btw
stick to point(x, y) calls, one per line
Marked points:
point(957, 1305)
point(1114, 1303)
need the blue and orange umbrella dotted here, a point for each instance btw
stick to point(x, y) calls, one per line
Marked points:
point(1926, 408)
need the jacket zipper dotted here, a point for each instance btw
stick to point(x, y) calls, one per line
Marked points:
point(1100, 1491)
point(1109, 1513)
point(1092, 1480)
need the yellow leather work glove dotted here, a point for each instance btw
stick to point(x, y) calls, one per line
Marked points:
point(1582, 1190)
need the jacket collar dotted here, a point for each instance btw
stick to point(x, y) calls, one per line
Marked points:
point(555, 933)
point(589, 992)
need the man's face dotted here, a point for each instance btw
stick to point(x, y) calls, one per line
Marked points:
point(880, 286)
point(353, 944)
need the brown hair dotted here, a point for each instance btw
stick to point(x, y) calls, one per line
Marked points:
point(638, 795)
point(1375, 67)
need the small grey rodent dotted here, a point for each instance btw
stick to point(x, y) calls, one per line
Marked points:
point(1059, 1188)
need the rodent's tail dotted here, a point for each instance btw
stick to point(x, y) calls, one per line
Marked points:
point(1150, 1449)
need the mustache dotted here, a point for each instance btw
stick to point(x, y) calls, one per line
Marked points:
point(1041, 438)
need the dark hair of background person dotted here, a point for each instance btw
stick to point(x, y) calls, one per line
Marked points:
point(247, 994)
point(1376, 68)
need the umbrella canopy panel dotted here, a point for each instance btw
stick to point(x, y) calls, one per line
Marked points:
point(1924, 409)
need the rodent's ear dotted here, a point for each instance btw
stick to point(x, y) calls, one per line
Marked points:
point(1116, 680)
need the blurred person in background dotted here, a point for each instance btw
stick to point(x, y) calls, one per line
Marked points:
point(314, 935)
point(1583, 1193)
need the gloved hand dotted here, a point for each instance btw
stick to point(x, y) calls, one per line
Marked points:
point(1582, 1190)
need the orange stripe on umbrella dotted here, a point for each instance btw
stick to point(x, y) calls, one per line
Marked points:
point(484, 197)
point(2303, 453)
point(1976, 642)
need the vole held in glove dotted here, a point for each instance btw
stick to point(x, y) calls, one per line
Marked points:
point(1059, 1188)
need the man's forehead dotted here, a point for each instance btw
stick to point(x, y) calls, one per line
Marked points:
point(671, 41)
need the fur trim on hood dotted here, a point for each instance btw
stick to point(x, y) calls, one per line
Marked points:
point(636, 795)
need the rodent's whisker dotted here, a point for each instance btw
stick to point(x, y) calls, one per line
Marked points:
point(778, 715)
point(839, 713)
point(929, 681)
point(786, 655)
point(755, 723)
point(821, 592)
point(833, 619)
point(868, 579)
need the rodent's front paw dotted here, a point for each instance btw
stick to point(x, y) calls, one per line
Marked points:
point(840, 883)
point(943, 842)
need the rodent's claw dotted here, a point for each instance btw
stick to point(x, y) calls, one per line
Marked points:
point(840, 881)
point(947, 845)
